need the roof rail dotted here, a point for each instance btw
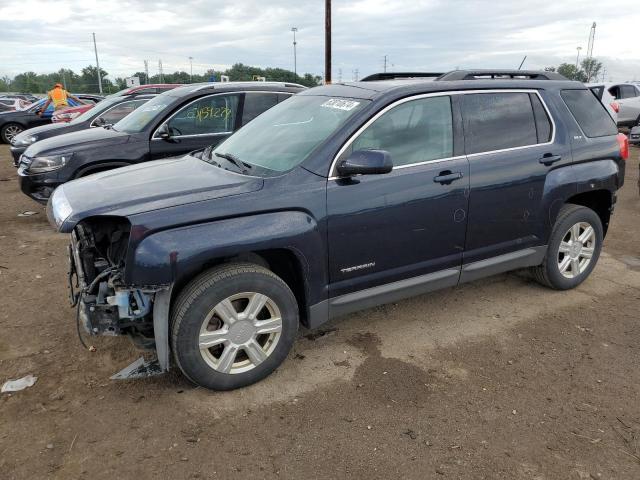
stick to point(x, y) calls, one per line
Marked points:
point(501, 75)
point(396, 75)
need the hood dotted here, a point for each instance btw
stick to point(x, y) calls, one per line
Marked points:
point(145, 187)
point(39, 130)
point(75, 140)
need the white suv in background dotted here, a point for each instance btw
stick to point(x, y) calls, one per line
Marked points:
point(601, 91)
point(627, 96)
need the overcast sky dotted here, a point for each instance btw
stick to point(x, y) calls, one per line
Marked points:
point(430, 35)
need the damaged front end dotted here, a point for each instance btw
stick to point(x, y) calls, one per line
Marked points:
point(105, 304)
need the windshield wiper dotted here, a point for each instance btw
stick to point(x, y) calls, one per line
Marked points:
point(243, 166)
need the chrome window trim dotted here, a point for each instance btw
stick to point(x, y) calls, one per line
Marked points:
point(91, 125)
point(333, 174)
point(239, 92)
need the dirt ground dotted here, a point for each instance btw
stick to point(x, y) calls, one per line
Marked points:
point(498, 379)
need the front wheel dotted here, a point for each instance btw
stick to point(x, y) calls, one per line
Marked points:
point(573, 250)
point(233, 325)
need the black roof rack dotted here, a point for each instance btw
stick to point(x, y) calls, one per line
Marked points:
point(501, 75)
point(396, 75)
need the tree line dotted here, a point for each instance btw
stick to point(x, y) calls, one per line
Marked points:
point(87, 80)
point(589, 70)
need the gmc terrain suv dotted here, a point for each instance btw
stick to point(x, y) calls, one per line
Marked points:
point(341, 198)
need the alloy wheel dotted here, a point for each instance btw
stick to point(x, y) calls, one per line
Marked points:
point(240, 332)
point(11, 131)
point(576, 249)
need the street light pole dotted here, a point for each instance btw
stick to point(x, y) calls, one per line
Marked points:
point(295, 57)
point(191, 71)
point(95, 49)
point(578, 56)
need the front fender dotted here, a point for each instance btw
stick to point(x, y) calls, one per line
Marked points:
point(176, 255)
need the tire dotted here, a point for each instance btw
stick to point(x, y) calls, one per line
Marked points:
point(214, 307)
point(9, 131)
point(559, 270)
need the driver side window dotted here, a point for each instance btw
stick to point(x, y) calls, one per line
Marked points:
point(412, 132)
point(208, 115)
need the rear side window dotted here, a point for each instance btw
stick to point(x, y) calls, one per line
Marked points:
point(590, 114)
point(628, 91)
point(496, 121)
point(257, 102)
point(121, 110)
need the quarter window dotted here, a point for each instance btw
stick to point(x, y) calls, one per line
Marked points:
point(589, 112)
point(496, 121)
point(413, 132)
point(208, 115)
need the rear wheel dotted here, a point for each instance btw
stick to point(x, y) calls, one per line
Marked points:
point(9, 131)
point(574, 248)
point(233, 325)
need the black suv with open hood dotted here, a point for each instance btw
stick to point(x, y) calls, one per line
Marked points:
point(174, 123)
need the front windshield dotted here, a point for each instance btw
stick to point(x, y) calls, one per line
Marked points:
point(283, 136)
point(95, 111)
point(141, 117)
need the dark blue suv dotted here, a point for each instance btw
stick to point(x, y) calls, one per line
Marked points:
point(341, 198)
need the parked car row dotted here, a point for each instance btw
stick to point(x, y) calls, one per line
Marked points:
point(174, 123)
point(324, 201)
point(14, 122)
point(68, 114)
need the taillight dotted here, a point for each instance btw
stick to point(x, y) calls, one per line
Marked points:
point(623, 143)
point(615, 106)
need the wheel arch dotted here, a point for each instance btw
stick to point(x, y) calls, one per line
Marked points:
point(600, 201)
point(286, 264)
point(100, 167)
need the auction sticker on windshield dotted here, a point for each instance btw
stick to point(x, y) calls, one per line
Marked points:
point(340, 104)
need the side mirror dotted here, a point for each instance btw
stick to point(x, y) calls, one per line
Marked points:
point(164, 132)
point(366, 162)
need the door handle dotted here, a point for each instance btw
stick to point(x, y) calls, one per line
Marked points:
point(446, 177)
point(549, 159)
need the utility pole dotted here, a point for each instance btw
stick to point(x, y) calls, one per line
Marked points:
point(160, 70)
point(95, 49)
point(146, 70)
point(327, 41)
point(578, 57)
point(295, 57)
point(355, 75)
point(191, 71)
point(385, 64)
point(604, 73)
point(64, 81)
